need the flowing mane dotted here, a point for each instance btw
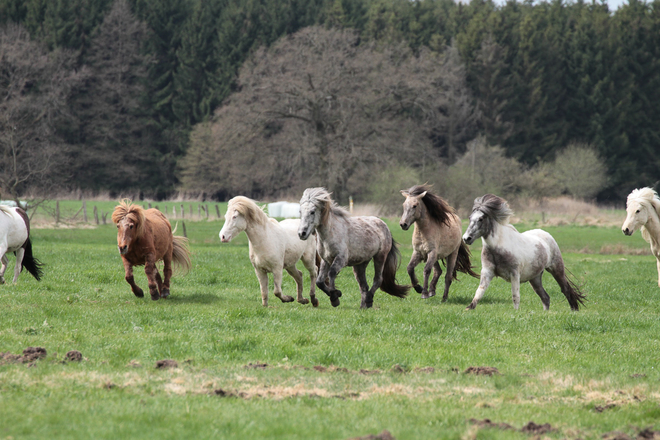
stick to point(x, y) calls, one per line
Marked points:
point(320, 198)
point(493, 207)
point(249, 209)
point(126, 208)
point(648, 198)
point(5, 209)
point(438, 208)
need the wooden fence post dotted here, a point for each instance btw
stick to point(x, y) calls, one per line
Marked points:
point(57, 212)
point(185, 234)
point(217, 211)
point(84, 211)
point(96, 215)
point(183, 211)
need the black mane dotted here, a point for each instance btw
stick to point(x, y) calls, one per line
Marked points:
point(438, 208)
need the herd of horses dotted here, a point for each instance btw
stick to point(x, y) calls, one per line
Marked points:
point(327, 238)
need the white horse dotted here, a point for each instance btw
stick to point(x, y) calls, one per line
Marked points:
point(643, 207)
point(15, 237)
point(515, 257)
point(349, 241)
point(273, 247)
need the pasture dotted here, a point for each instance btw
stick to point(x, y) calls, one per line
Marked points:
point(291, 371)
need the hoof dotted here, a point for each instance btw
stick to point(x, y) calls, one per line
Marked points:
point(471, 306)
point(165, 293)
point(2, 280)
point(139, 293)
point(334, 301)
point(366, 305)
point(444, 298)
point(155, 297)
point(286, 299)
point(428, 295)
point(418, 288)
point(154, 294)
point(303, 301)
point(315, 302)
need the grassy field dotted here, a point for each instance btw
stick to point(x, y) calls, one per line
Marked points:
point(294, 372)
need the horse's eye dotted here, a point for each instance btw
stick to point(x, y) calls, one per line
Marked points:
point(131, 226)
point(637, 212)
point(480, 220)
point(117, 226)
point(312, 212)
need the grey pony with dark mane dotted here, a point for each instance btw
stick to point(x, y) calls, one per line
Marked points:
point(349, 241)
point(516, 257)
point(437, 237)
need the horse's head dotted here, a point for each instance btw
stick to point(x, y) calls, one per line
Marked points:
point(235, 220)
point(315, 206)
point(639, 207)
point(487, 211)
point(412, 209)
point(130, 221)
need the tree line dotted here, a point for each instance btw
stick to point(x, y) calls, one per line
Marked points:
point(263, 97)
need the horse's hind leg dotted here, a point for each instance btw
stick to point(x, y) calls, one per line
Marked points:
point(415, 259)
point(573, 295)
point(537, 285)
point(151, 271)
point(3, 268)
point(19, 263)
point(164, 285)
point(360, 273)
point(379, 265)
point(298, 277)
point(309, 261)
point(128, 268)
point(449, 276)
point(277, 281)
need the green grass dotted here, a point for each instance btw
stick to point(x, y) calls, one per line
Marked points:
point(555, 367)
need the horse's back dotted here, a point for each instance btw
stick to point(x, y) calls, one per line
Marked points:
point(161, 230)
point(366, 236)
point(13, 228)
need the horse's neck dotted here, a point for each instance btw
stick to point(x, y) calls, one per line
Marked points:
point(258, 234)
point(500, 236)
point(653, 228)
point(328, 230)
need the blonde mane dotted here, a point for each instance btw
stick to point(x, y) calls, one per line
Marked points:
point(126, 208)
point(648, 198)
point(5, 209)
point(248, 209)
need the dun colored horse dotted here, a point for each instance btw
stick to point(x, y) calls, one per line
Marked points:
point(437, 236)
point(349, 241)
point(15, 237)
point(145, 237)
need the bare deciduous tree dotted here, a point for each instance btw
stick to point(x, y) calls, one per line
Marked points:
point(34, 88)
point(318, 108)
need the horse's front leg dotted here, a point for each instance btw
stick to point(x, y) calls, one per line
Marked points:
point(415, 259)
point(152, 274)
point(277, 281)
point(449, 276)
point(262, 276)
point(128, 269)
point(3, 268)
point(515, 290)
point(486, 277)
point(337, 264)
point(428, 268)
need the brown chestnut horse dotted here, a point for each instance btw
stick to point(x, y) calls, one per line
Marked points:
point(145, 237)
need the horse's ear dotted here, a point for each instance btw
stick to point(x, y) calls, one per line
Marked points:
point(405, 193)
point(421, 196)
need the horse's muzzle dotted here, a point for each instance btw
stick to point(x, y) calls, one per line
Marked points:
point(303, 235)
point(627, 231)
point(123, 249)
point(404, 226)
point(468, 240)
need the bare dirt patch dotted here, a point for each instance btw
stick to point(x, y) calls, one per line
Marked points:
point(166, 363)
point(536, 429)
point(385, 435)
point(648, 433)
point(601, 408)
point(487, 423)
point(482, 371)
point(365, 371)
point(424, 370)
point(257, 366)
point(73, 356)
point(29, 356)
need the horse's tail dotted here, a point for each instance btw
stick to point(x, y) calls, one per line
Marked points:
point(463, 262)
point(318, 261)
point(389, 284)
point(572, 292)
point(181, 254)
point(31, 264)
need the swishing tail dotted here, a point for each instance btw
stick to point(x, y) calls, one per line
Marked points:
point(181, 254)
point(318, 261)
point(572, 292)
point(31, 264)
point(389, 284)
point(463, 262)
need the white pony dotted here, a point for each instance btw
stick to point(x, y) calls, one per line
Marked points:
point(643, 207)
point(273, 247)
point(15, 237)
point(516, 257)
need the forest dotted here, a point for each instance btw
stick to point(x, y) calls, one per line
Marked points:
point(264, 97)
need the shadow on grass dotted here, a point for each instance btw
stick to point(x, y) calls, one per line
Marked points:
point(196, 298)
